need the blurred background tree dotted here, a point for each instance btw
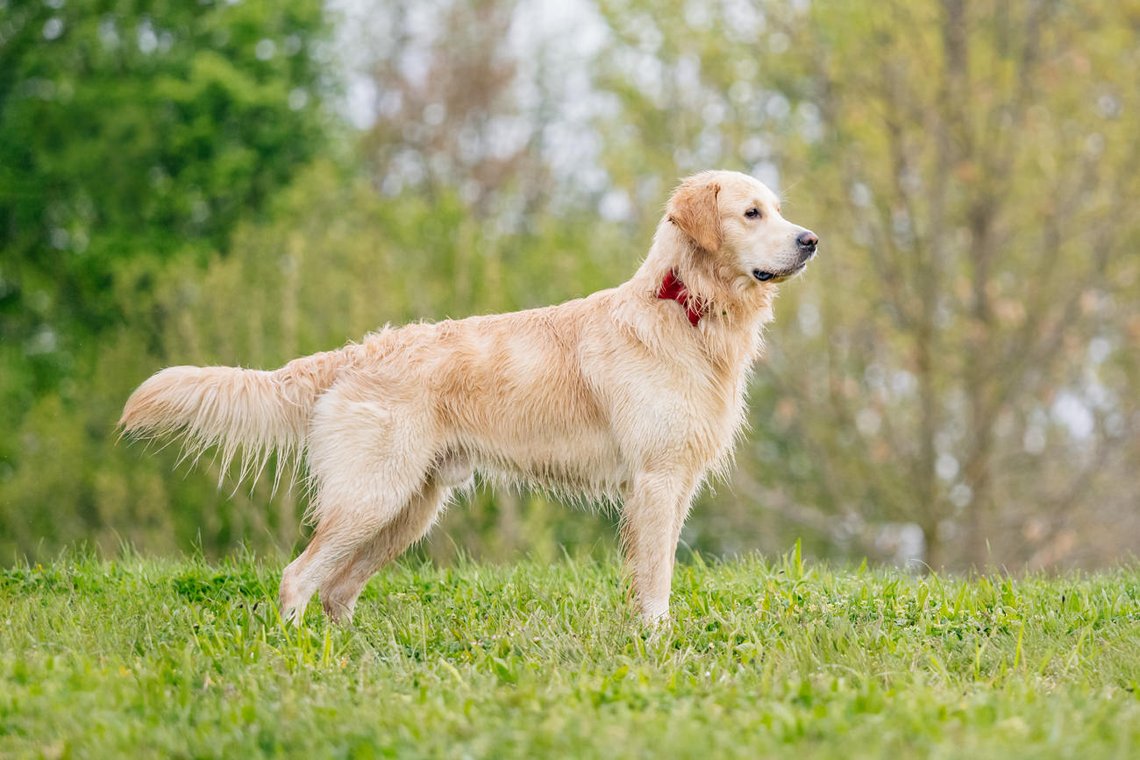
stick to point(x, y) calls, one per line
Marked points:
point(132, 134)
point(953, 382)
point(959, 370)
point(137, 130)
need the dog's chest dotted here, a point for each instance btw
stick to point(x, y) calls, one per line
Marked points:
point(681, 413)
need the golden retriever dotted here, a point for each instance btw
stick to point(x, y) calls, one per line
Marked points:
point(633, 394)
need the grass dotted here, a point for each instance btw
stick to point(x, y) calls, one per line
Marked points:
point(154, 658)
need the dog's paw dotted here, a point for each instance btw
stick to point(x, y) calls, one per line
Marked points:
point(657, 628)
point(339, 611)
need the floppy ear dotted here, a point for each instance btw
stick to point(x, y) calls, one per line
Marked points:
point(693, 208)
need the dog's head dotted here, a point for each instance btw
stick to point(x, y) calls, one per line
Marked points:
point(737, 219)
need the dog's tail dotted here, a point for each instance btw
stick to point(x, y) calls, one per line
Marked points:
point(248, 414)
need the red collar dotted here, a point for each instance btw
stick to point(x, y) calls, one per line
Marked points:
point(672, 289)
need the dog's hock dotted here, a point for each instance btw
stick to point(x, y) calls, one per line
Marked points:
point(693, 208)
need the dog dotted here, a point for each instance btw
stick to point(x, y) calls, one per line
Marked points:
point(633, 395)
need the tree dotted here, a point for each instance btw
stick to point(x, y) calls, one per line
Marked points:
point(135, 131)
point(969, 169)
point(133, 136)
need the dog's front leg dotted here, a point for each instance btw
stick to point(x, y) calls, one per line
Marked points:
point(653, 504)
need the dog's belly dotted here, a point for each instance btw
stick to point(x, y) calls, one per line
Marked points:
point(583, 463)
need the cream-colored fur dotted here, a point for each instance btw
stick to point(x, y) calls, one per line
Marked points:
point(616, 396)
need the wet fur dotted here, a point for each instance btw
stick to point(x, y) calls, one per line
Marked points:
point(615, 397)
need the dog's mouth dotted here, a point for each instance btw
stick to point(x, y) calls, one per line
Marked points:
point(766, 275)
point(763, 275)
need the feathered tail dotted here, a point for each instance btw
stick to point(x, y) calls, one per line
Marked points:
point(248, 414)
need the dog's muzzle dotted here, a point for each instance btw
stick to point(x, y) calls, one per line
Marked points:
point(806, 244)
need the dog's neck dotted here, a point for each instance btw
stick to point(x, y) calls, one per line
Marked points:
point(673, 289)
point(724, 297)
point(733, 309)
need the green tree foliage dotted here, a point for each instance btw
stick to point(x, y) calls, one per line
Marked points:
point(139, 130)
point(132, 135)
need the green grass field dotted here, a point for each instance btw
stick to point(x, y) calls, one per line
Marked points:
point(153, 658)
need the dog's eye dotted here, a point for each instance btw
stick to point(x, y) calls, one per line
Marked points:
point(752, 213)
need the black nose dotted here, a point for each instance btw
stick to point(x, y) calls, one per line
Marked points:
point(807, 241)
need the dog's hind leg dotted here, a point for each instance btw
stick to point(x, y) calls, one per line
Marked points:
point(339, 593)
point(368, 462)
point(332, 544)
